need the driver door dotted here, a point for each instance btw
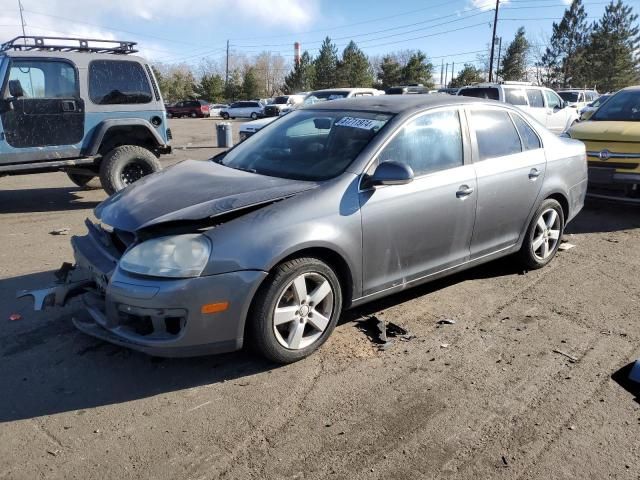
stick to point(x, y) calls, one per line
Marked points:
point(49, 112)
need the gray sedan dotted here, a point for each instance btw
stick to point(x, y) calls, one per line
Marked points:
point(327, 208)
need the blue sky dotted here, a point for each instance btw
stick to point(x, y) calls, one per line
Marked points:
point(174, 31)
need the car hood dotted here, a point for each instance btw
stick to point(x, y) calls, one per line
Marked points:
point(192, 190)
point(606, 131)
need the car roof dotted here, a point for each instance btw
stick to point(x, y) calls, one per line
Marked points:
point(398, 103)
point(79, 58)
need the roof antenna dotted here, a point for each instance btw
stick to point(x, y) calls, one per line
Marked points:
point(22, 22)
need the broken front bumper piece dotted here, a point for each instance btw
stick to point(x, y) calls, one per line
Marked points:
point(74, 282)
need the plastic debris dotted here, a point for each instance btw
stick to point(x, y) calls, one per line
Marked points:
point(60, 231)
point(571, 358)
point(446, 321)
point(15, 316)
point(383, 333)
point(566, 246)
point(444, 345)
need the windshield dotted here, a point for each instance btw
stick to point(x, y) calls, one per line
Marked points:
point(486, 93)
point(599, 101)
point(570, 97)
point(280, 100)
point(623, 106)
point(307, 144)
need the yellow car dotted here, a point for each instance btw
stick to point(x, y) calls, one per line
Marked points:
point(612, 138)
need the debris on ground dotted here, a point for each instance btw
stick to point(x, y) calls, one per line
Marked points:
point(566, 246)
point(60, 231)
point(446, 321)
point(14, 317)
point(634, 375)
point(571, 358)
point(383, 333)
point(444, 345)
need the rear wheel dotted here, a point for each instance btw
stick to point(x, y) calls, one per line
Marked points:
point(296, 310)
point(224, 115)
point(193, 115)
point(543, 235)
point(254, 115)
point(125, 165)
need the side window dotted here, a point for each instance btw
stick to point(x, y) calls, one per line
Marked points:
point(430, 143)
point(535, 98)
point(495, 133)
point(515, 96)
point(530, 140)
point(553, 100)
point(45, 79)
point(116, 82)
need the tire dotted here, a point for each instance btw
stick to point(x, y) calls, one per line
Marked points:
point(310, 324)
point(224, 115)
point(193, 114)
point(254, 115)
point(84, 181)
point(124, 165)
point(541, 243)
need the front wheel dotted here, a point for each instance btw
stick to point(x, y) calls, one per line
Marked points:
point(543, 235)
point(224, 115)
point(296, 310)
point(125, 165)
point(254, 115)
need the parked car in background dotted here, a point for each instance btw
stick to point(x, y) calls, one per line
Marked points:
point(449, 91)
point(249, 128)
point(279, 103)
point(328, 94)
point(243, 109)
point(541, 103)
point(406, 89)
point(189, 108)
point(587, 111)
point(578, 98)
point(84, 107)
point(612, 139)
point(327, 208)
point(216, 108)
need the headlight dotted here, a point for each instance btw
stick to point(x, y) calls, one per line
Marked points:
point(178, 256)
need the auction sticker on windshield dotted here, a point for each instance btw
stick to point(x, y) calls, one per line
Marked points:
point(364, 123)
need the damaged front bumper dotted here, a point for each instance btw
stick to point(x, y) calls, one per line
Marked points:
point(157, 316)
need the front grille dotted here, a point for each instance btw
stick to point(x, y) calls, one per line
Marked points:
point(271, 111)
point(614, 165)
point(169, 134)
point(159, 323)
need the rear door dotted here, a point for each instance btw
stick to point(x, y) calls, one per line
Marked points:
point(50, 112)
point(557, 117)
point(536, 105)
point(510, 164)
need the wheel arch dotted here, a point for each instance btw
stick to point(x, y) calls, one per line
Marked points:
point(113, 133)
point(562, 200)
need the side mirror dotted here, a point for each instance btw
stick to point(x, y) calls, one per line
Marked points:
point(391, 173)
point(587, 115)
point(15, 89)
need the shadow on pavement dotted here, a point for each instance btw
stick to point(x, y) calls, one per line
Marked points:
point(605, 216)
point(45, 200)
point(621, 377)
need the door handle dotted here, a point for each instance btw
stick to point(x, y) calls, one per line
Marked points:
point(534, 173)
point(69, 106)
point(464, 191)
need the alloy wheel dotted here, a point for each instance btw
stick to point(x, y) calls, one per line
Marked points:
point(546, 235)
point(303, 311)
point(133, 172)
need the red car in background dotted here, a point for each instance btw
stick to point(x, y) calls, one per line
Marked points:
point(188, 108)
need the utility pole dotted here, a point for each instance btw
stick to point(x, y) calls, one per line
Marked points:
point(226, 76)
point(446, 74)
point(499, 54)
point(493, 41)
point(22, 22)
point(453, 64)
point(441, 73)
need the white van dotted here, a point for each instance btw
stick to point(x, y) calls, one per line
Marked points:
point(541, 103)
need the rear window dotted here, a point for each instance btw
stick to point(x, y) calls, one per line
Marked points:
point(496, 134)
point(515, 96)
point(535, 98)
point(114, 82)
point(486, 93)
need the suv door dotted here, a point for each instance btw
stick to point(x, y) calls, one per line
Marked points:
point(536, 105)
point(509, 163)
point(414, 230)
point(50, 111)
point(557, 115)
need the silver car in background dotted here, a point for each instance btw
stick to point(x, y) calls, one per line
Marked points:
point(331, 206)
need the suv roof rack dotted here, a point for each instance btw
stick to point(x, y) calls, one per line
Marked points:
point(68, 44)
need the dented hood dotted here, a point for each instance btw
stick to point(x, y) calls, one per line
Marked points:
point(192, 190)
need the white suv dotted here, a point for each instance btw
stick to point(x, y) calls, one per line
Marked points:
point(250, 109)
point(577, 98)
point(541, 103)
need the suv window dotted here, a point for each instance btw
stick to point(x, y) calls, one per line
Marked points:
point(535, 98)
point(530, 140)
point(429, 143)
point(553, 100)
point(515, 96)
point(114, 82)
point(486, 93)
point(253, 104)
point(495, 133)
point(45, 79)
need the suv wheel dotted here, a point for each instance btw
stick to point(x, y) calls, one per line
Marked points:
point(83, 180)
point(295, 310)
point(254, 115)
point(125, 165)
point(224, 115)
point(194, 114)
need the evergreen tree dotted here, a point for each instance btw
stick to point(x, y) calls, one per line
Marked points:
point(560, 62)
point(390, 72)
point(302, 77)
point(353, 69)
point(211, 87)
point(325, 66)
point(233, 89)
point(418, 70)
point(468, 76)
point(514, 63)
point(250, 87)
point(612, 53)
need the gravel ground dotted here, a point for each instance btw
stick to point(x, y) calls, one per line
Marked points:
point(486, 397)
